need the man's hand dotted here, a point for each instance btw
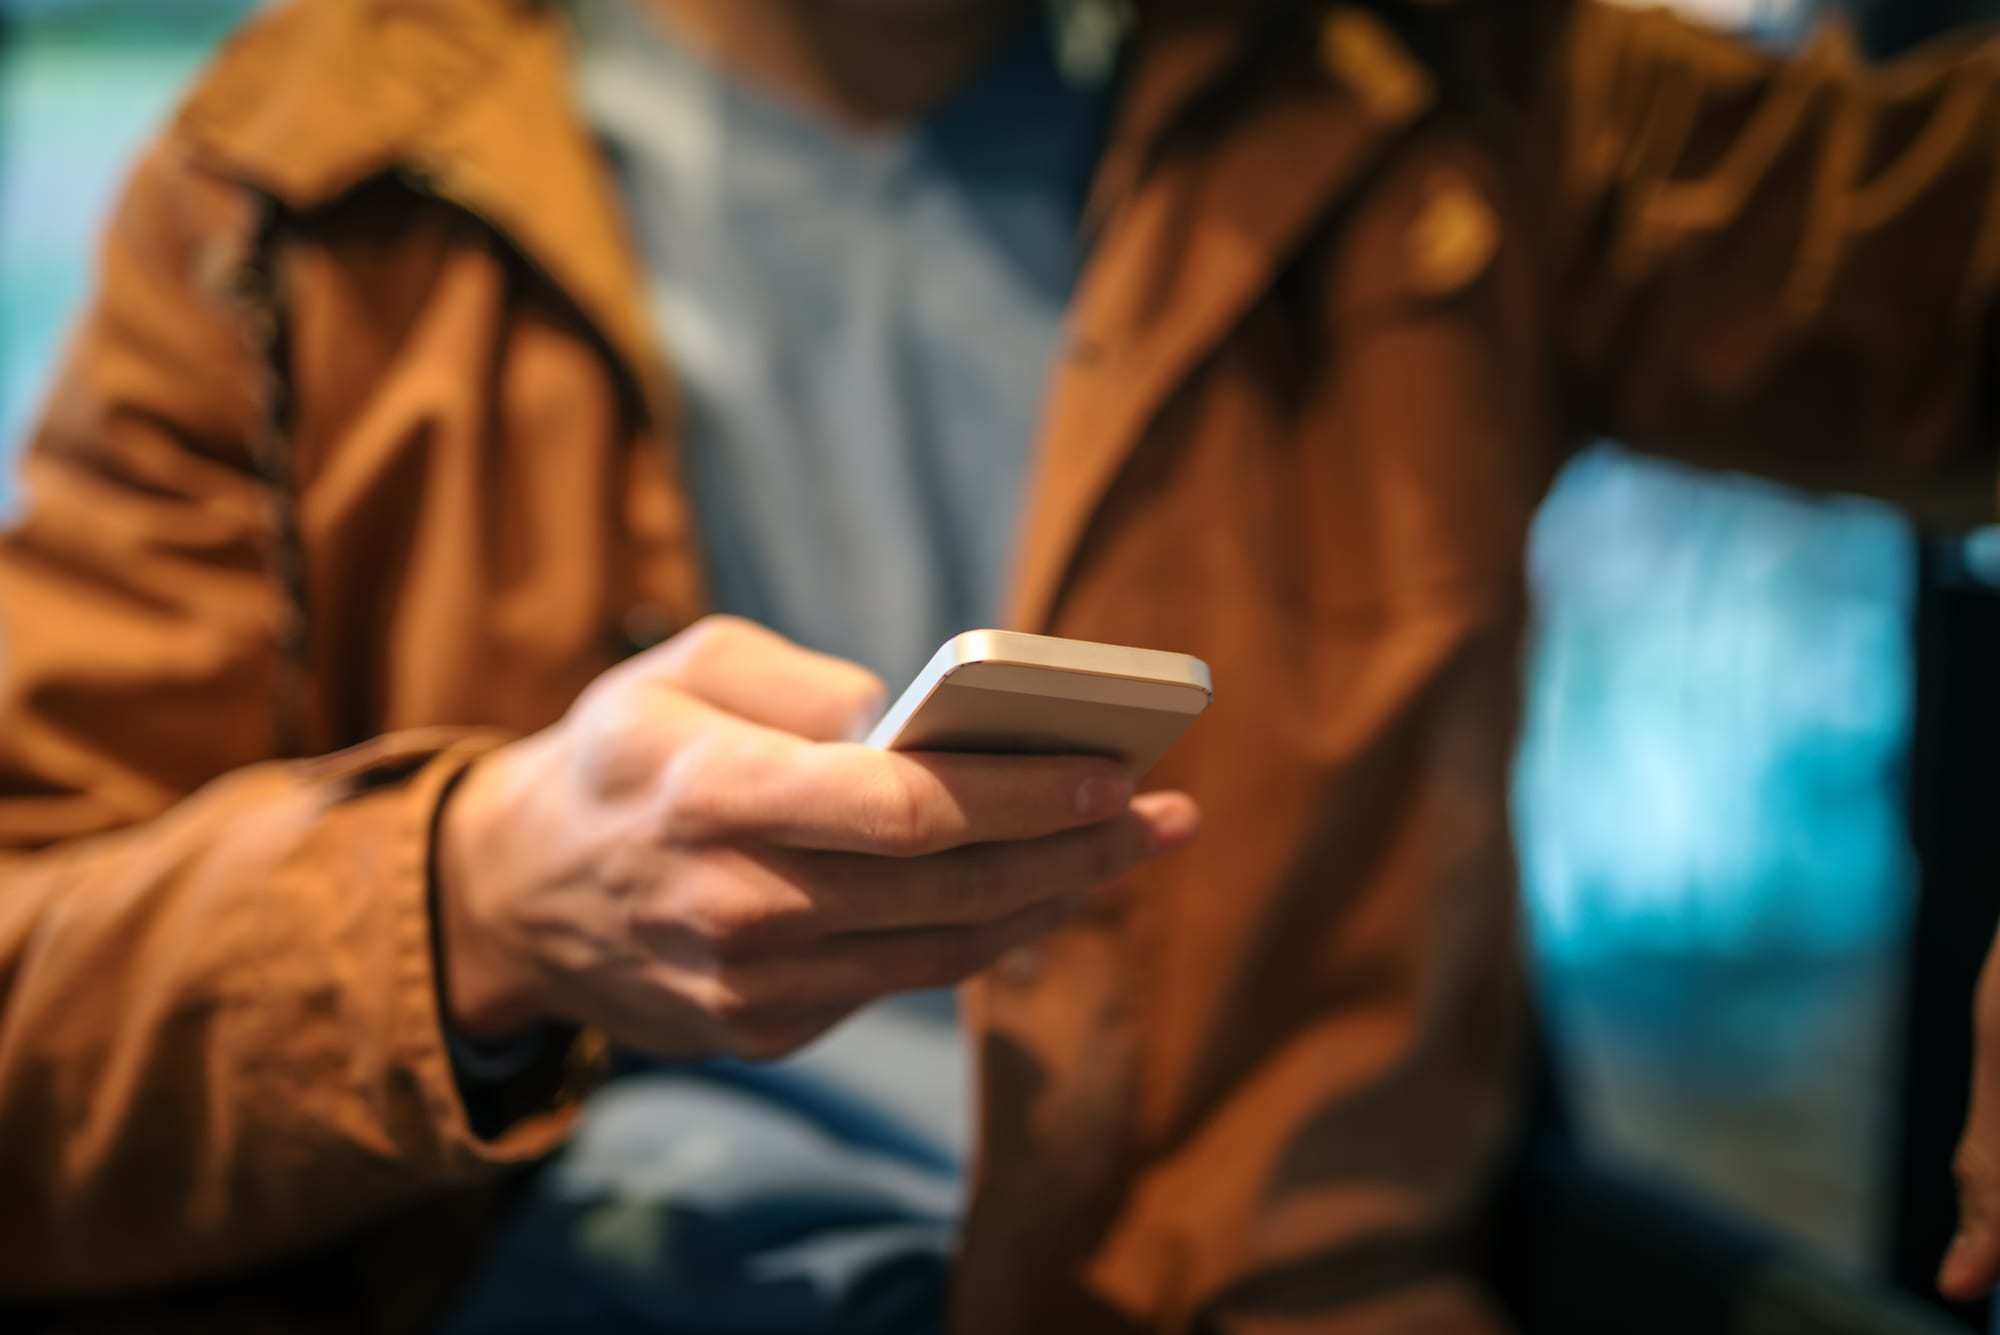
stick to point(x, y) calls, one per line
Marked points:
point(696, 861)
point(1971, 1266)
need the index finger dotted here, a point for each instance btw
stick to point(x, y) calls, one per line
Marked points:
point(848, 798)
point(755, 673)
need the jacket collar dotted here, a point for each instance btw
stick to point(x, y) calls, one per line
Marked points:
point(470, 100)
point(1191, 240)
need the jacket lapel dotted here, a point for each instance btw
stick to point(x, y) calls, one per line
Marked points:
point(1188, 247)
point(519, 155)
point(468, 100)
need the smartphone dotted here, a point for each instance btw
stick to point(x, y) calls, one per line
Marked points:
point(1003, 692)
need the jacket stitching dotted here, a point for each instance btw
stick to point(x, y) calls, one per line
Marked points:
point(269, 332)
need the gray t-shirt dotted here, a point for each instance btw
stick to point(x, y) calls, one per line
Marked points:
point(860, 329)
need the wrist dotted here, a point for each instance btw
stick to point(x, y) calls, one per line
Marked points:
point(486, 994)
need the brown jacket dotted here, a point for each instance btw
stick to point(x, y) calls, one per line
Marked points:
point(365, 443)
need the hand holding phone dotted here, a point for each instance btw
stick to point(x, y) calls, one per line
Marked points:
point(696, 860)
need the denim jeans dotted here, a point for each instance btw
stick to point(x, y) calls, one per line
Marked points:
point(726, 1199)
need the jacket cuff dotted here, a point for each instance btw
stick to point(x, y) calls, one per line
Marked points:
point(387, 797)
point(510, 1115)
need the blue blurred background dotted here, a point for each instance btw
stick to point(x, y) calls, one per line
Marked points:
point(80, 84)
point(1709, 800)
point(1712, 781)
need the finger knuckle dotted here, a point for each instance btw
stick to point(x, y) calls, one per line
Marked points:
point(898, 819)
point(734, 924)
point(714, 637)
point(655, 917)
point(723, 997)
point(688, 790)
point(697, 787)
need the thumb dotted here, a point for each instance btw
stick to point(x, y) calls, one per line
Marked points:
point(757, 674)
point(1971, 1265)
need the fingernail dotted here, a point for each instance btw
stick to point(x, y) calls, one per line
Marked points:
point(1103, 796)
point(1170, 829)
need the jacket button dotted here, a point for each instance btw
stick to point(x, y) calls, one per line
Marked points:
point(1454, 237)
point(643, 626)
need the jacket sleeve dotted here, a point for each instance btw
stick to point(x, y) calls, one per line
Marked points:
point(1785, 265)
point(219, 1036)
